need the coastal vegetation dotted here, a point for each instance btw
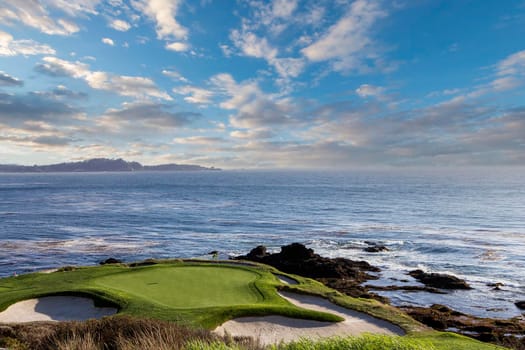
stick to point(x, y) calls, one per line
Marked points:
point(172, 304)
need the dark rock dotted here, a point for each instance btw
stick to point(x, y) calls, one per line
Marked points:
point(486, 337)
point(213, 252)
point(495, 286)
point(441, 308)
point(407, 288)
point(441, 317)
point(258, 252)
point(439, 280)
point(111, 261)
point(297, 251)
point(520, 304)
point(376, 249)
point(341, 274)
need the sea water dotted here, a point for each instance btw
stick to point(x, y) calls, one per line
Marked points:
point(467, 223)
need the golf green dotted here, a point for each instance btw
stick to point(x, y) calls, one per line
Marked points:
point(187, 286)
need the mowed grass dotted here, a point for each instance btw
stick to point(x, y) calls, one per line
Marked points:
point(187, 287)
point(193, 293)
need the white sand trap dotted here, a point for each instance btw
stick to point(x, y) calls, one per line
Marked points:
point(274, 329)
point(56, 308)
point(286, 280)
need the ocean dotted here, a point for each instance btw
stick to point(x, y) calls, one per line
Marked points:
point(467, 223)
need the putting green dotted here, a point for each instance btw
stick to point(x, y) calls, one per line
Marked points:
point(187, 286)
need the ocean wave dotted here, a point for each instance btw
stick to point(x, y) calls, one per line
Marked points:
point(79, 245)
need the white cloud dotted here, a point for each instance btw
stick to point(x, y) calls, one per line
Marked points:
point(254, 46)
point(284, 8)
point(255, 109)
point(7, 80)
point(513, 64)
point(142, 117)
point(198, 140)
point(506, 83)
point(261, 35)
point(348, 43)
point(254, 134)
point(226, 50)
point(275, 15)
point(11, 47)
point(508, 74)
point(108, 41)
point(163, 13)
point(288, 67)
point(120, 25)
point(367, 90)
point(177, 46)
point(33, 14)
point(194, 94)
point(174, 75)
point(75, 7)
point(132, 86)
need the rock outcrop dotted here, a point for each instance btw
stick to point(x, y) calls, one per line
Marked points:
point(376, 248)
point(342, 274)
point(439, 280)
point(520, 304)
point(505, 332)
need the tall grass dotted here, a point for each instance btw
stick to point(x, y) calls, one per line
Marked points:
point(365, 342)
point(115, 333)
point(126, 333)
point(154, 342)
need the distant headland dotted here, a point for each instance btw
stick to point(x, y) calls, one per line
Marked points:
point(99, 165)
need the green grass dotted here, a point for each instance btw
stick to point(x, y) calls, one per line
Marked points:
point(194, 293)
point(364, 342)
point(178, 287)
point(206, 294)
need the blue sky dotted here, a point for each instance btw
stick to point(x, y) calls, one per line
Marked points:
point(263, 84)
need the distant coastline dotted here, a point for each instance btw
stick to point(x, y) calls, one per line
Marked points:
point(100, 165)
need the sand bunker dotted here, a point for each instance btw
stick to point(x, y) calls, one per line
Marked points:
point(286, 280)
point(274, 329)
point(56, 308)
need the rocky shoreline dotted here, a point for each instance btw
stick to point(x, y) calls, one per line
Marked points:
point(348, 277)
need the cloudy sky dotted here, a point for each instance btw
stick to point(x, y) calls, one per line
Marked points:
point(263, 84)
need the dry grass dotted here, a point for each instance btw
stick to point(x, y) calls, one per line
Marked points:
point(126, 333)
point(116, 333)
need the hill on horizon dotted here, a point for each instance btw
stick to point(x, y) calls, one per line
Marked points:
point(100, 165)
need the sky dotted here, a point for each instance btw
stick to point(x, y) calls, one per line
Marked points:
point(323, 84)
